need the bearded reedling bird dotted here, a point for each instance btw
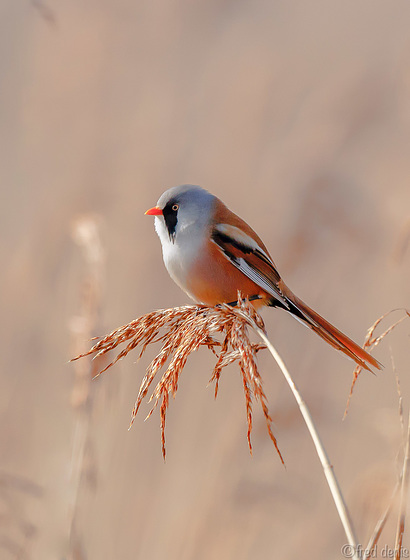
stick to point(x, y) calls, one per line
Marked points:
point(211, 253)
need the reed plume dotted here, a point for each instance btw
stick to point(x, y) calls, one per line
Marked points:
point(181, 331)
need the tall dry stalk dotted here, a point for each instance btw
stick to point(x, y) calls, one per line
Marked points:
point(320, 449)
point(402, 483)
point(86, 234)
point(404, 491)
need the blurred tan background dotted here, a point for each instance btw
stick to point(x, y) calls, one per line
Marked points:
point(297, 114)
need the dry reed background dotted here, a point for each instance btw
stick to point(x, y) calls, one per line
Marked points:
point(303, 106)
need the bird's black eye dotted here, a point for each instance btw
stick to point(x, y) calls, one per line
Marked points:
point(175, 207)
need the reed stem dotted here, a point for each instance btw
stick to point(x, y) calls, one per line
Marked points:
point(323, 457)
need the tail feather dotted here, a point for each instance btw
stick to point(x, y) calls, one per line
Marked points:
point(328, 332)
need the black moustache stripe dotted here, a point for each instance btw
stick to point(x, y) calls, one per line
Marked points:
point(171, 220)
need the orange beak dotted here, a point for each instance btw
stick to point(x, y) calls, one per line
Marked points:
point(156, 211)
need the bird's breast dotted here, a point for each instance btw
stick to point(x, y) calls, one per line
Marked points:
point(180, 256)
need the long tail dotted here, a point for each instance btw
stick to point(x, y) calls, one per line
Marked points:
point(328, 332)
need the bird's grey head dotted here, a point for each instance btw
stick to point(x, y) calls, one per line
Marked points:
point(184, 209)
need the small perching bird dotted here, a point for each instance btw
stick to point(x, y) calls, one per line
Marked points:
point(211, 253)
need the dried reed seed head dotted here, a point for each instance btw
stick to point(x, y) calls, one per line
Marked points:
point(372, 341)
point(181, 331)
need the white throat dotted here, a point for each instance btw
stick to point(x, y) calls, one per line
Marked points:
point(181, 251)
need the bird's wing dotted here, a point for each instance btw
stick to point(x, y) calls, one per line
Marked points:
point(246, 254)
